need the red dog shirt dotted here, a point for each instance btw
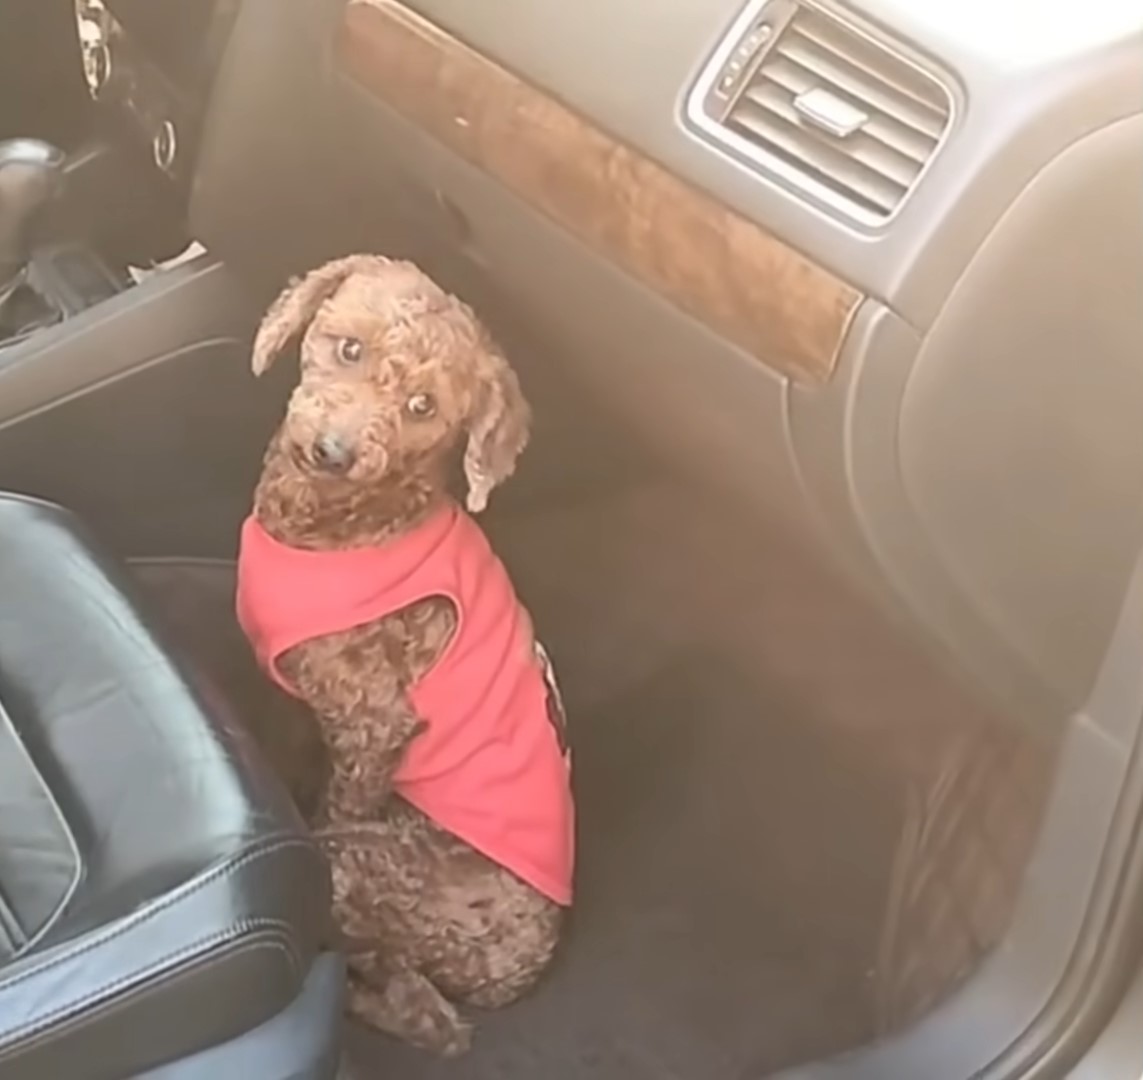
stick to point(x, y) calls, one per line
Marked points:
point(492, 767)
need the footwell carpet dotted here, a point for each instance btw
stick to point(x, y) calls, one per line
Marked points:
point(734, 856)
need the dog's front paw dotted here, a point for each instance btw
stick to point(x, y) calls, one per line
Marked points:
point(411, 1008)
point(453, 1039)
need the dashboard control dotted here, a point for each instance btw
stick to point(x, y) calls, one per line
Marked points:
point(92, 19)
point(843, 117)
point(165, 145)
point(743, 60)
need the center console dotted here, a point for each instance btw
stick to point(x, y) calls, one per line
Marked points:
point(76, 229)
point(41, 283)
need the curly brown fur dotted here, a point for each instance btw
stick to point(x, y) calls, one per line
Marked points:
point(432, 921)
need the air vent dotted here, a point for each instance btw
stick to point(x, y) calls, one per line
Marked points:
point(817, 102)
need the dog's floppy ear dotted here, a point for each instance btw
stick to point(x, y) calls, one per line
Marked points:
point(298, 303)
point(497, 429)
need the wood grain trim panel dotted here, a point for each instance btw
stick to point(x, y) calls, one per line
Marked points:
point(724, 270)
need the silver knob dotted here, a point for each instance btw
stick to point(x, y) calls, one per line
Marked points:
point(96, 55)
point(165, 145)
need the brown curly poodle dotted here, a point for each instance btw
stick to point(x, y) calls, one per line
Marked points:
point(395, 376)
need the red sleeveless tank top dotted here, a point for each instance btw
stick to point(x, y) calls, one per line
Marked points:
point(492, 767)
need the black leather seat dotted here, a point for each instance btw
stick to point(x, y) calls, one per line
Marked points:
point(161, 908)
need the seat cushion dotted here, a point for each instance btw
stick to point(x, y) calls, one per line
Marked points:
point(158, 892)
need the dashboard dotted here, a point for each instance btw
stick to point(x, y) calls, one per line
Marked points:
point(870, 263)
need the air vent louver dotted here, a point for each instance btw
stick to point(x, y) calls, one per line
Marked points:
point(821, 102)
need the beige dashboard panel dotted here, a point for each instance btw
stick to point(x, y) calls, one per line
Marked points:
point(729, 273)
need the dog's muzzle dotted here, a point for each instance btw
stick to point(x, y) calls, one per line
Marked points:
point(332, 453)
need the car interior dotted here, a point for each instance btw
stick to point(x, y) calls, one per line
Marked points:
point(828, 313)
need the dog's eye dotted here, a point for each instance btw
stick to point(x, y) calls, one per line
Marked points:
point(349, 350)
point(421, 406)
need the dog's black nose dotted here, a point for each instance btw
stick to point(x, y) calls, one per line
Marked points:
point(332, 453)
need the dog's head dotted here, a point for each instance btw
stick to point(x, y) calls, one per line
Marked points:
point(394, 372)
